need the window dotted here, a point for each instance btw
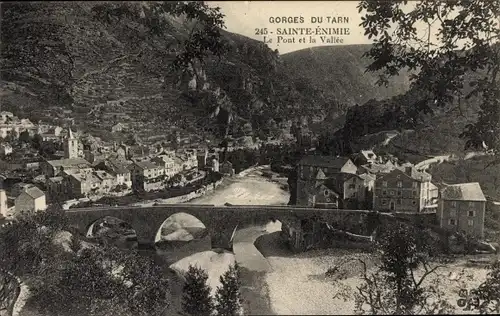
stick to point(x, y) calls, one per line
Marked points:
point(384, 202)
point(400, 193)
point(354, 194)
point(400, 184)
point(384, 192)
point(453, 204)
point(352, 186)
point(399, 202)
point(414, 202)
point(470, 222)
point(471, 213)
point(392, 192)
point(415, 184)
point(414, 193)
point(452, 222)
point(384, 184)
point(326, 192)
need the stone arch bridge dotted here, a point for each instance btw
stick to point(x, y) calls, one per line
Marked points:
point(220, 221)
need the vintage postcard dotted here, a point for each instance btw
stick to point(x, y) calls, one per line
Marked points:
point(228, 158)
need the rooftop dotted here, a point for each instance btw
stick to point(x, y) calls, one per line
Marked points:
point(34, 192)
point(463, 192)
point(101, 174)
point(376, 168)
point(56, 179)
point(417, 175)
point(369, 177)
point(368, 154)
point(324, 161)
point(70, 162)
point(146, 164)
point(117, 166)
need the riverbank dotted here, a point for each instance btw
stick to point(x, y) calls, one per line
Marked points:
point(249, 187)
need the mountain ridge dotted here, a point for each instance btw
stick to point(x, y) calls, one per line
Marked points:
point(64, 56)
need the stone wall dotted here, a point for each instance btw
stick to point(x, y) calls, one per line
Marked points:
point(192, 195)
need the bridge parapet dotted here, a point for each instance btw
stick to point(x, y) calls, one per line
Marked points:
point(220, 221)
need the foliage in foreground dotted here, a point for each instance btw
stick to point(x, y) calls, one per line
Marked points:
point(442, 68)
point(81, 280)
point(197, 299)
point(397, 286)
point(227, 297)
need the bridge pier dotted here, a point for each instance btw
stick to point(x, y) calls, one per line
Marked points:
point(146, 244)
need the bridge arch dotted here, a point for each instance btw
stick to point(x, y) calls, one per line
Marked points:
point(112, 229)
point(181, 226)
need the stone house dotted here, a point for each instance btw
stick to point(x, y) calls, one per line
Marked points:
point(147, 175)
point(214, 164)
point(107, 181)
point(462, 209)
point(52, 168)
point(56, 189)
point(313, 168)
point(365, 157)
point(119, 127)
point(350, 190)
point(379, 168)
point(168, 164)
point(51, 133)
point(226, 168)
point(405, 190)
point(19, 187)
point(5, 116)
point(31, 199)
point(118, 169)
point(81, 183)
point(323, 195)
point(5, 149)
point(3, 204)
point(202, 156)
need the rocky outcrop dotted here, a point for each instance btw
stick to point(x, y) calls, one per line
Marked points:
point(67, 54)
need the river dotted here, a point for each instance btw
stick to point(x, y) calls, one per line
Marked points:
point(250, 188)
point(247, 188)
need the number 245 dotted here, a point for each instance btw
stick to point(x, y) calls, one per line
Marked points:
point(261, 31)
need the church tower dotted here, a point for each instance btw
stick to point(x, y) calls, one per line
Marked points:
point(3, 203)
point(70, 146)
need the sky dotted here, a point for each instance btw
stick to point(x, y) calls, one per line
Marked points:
point(244, 17)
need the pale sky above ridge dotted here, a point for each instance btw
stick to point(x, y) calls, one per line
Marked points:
point(244, 17)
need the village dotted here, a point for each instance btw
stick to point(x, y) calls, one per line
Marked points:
point(366, 181)
point(86, 169)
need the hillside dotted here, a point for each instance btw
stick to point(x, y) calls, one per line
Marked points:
point(340, 71)
point(63, 60)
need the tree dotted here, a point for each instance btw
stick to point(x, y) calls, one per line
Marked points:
point(37, 141)
point(47, 148)
point(196, 299)
point(486, 297)
point(394, 287)
point(109, 281)
point(24, 137)
point(228, 297)
point(442, 67)
point(9, 292)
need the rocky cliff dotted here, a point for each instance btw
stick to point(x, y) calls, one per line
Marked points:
point(70, 60)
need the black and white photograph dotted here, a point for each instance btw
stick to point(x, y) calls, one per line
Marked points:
point(230, 158)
